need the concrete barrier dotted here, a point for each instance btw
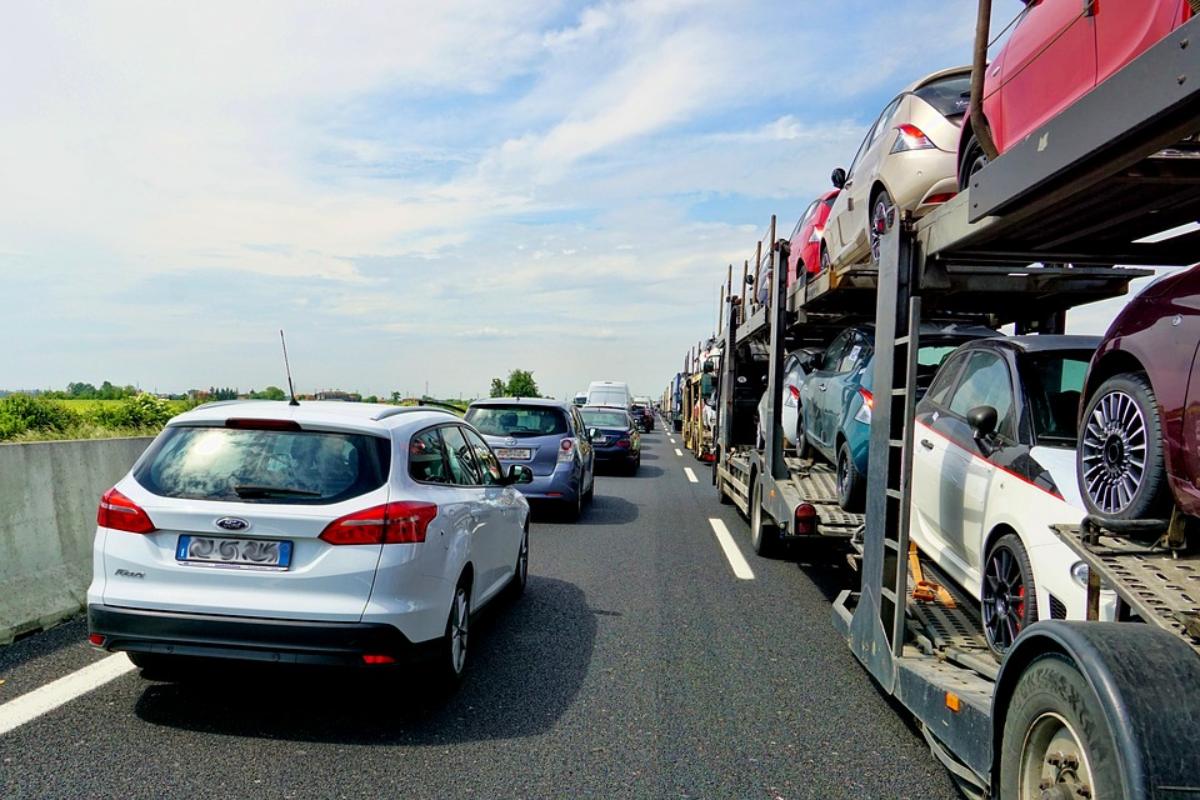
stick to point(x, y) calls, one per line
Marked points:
point(48, 497)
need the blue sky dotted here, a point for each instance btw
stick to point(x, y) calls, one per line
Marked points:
point(417, 192)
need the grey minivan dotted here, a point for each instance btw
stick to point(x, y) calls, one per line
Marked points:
point(550, 437)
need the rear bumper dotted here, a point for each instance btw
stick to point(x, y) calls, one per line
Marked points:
point(250, 639)
point(562, 484)
point(616, 454)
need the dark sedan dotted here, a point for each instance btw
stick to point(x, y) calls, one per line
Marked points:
point(615, 439)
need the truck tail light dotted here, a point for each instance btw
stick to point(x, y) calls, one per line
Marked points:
point(911, 138)
point(401, 522)
point(806, 519)
point(120, 513)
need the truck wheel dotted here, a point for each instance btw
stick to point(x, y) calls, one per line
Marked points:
point(1120, 455)
point(1056, 741)
point(764, 533)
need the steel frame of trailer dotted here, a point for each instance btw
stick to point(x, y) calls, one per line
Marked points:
point(1083, 189)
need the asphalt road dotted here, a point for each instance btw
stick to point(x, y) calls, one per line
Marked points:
point(636, 665)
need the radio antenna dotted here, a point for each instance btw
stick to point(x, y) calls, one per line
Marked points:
point(288, 368)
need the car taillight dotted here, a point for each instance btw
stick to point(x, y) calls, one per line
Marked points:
point(244, 423)
point(566, 450)
point(806, 519)
point(402, 522)
point(815, 236)
point(863, 414)
point(624, 443)
point(911, 138)
point(795, 391)
point(120, 513)
point(939, 198)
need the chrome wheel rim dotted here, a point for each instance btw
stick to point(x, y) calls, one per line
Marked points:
point(1004, 598)
point(881, 222)
point(1054, 765)
point(1115, 444)
point(459, 622)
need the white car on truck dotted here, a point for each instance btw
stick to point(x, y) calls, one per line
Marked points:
point(320, 533)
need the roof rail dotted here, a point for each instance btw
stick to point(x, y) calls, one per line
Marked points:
point(394, 410)
point(217, 403)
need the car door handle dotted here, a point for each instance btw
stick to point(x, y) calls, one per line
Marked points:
point(928, 445)
point(821, 386)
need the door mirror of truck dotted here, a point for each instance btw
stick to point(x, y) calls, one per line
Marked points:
point(838, 178)
point(982, 420)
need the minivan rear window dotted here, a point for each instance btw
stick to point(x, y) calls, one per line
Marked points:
point(264, 466)
point(608, 397)
point(517, 420)
point(950, 96)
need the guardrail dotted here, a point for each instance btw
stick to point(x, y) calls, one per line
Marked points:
point(48, 497)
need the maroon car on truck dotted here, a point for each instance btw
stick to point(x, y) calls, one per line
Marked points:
point(1139, 436)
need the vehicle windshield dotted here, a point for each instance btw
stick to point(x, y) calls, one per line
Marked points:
point(1054, 383)
point(605, 419)
point(264, 466)
point(950, 95)
point(608, 397)
point(517, 420)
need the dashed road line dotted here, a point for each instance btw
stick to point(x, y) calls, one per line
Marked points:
point(691, 476)
point(733, 555)
point(678, 452)
point(31, 705)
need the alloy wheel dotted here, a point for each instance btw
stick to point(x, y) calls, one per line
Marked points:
point(1003, 598)
point(1053, 763)
point(882, 218)
point(1115, 442)
point(460, 621)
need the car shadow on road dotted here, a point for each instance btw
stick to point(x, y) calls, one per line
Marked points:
point(647, 471)
point(530, 659)
point(824, 563)
point(649, 456)
point(607, 509)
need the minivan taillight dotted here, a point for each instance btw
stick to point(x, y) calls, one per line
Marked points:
point(402, 522)
point(122, 514)
point(566, 450)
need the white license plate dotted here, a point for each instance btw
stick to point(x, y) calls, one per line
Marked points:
point(235, 553)
point(514, 454)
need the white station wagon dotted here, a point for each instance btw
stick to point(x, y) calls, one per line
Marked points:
point(321, 533)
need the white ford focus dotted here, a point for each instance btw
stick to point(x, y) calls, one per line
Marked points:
point(994, 468)
point(323, 533)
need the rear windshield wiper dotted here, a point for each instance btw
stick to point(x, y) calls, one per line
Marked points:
point(246, 491)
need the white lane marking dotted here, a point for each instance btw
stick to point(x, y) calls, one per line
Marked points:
point(678, 452)
point(691, 475)
point(672, 441)
point(31, 705)
point(736, 560)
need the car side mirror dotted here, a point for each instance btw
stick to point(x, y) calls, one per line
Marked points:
point(838, 178)
point(519, 473)
point(983, 420)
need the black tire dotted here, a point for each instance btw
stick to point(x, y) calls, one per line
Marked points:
point(722, 498)
point(851, 484)
point(882, 212)
point(516, 586)
point(764, 533)
point(449, 667)
point(974, 159)
point(1120, 425)
point(1052, 695)
point(572, 509)
point(590, 494)
point(632, 469)
point(1009, 598)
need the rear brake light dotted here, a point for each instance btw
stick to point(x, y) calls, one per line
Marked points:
point(623, 443)
point(120, 513)
point(96, 639)
point(795, 391)
point(815, 236)
point(262, 424)
point(863, 414)
point(934, 199)
point(566, 450)
point(911, 138)
point(806, 519)
point(402, 522)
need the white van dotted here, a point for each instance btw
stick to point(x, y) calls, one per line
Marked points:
point(609, 393)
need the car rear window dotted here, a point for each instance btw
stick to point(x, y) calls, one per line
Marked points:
point(264, 466)
point(608, 397)
point(950, 96)
point(517, 420)
point(605, 419)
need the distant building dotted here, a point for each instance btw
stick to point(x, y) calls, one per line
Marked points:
point(334, 394)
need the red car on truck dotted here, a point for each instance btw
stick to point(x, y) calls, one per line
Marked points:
point(1059, 51)
point(806, 237)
